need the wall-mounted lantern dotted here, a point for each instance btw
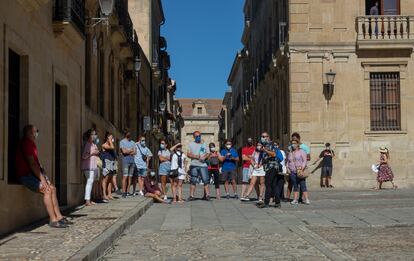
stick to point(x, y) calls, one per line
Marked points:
point(328, 88)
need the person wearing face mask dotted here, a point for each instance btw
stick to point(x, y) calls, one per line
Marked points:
point(229, 157)
point(89, 163)
point(178, 162)
point(128, 150)
point(327, 157)
point(247, 152)
point(109, 167)
point(273, 181)
point(297, 162)
point(151, 188)
point(164, 157)
point(257, 173)
point(31, 174)
point(142, 160)
point(214, 168)
point(198, 153)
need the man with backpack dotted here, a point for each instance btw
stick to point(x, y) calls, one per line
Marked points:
point(229, 157)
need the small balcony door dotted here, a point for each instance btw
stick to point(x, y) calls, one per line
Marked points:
point(385, 7)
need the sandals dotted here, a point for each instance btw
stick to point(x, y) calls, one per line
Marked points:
point(57, 224)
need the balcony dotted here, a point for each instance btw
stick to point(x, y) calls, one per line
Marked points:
point(66, 12)
point(385, 32)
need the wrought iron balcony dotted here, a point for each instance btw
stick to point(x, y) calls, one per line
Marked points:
point(385, 32)
point(125, 20)
point(70, 11)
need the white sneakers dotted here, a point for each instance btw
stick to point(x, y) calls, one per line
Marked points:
point(165, 197)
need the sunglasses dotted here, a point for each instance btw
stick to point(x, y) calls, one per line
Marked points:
point(265, 136)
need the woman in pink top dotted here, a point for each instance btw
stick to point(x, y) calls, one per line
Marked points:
point(89, 165)
point(297, 162)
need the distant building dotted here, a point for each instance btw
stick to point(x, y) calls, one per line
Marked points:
point(201, 115)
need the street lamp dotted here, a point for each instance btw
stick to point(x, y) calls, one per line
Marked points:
point(106, 6)
point(328, 88)
point(163, 105)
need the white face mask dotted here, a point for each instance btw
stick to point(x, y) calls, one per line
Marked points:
point(113, 140)
point(213, 149)
point(36, 135)
point(228, 147)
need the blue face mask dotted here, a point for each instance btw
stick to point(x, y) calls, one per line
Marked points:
point(197, 139)
point(96, 141)
point(143, 143)
point(263, 140)
point(162, 146)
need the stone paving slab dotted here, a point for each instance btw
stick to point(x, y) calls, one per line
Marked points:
point(231, 230)
point(45, 243)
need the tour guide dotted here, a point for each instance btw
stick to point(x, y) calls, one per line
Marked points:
point(274, 182)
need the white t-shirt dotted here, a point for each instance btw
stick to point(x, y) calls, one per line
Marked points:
point(174, 162)
point(283, 162)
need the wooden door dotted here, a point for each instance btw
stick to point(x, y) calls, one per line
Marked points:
point(390, 7)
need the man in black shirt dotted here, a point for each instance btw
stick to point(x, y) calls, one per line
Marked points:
point(327, 156)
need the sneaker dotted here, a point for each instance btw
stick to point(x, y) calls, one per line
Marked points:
point(130, 194)
point(118, 192)
point(190, 198)
point(263, 205)
point(236, 196)
point(245, 199)
point(228, 196)
point(57, 224)
point(124, 195)
point(307, 202)
point(141, 193)
point(65, 221)
point(207, 198)
point(277, 205)
point(294, 202)
point(165, 197)
point(260, 203)
point(136, 194)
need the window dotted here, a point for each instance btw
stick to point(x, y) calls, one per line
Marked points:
point(199, 110)
point(385, 101)
point(385, 7)
point(14, 113)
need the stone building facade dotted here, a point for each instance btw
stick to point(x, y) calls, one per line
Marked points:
point(65, 73)
point(290, 46)
point(201, 115)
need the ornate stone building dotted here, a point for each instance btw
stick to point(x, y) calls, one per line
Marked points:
point(291, 47)
point(201, 115)
point(66, 72)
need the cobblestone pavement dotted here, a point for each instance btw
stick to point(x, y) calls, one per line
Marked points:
point(338, 225)
point(45, 243)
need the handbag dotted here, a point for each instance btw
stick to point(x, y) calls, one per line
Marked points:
point(173, 173)
point(144, 157)
point(214, 161)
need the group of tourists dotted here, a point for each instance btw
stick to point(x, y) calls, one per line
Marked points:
point(266, 169)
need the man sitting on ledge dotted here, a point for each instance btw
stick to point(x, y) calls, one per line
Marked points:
point(31, 175)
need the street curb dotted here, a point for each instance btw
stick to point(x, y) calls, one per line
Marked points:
point(96, 248)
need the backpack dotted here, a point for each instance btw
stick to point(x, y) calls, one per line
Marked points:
point(214, 161)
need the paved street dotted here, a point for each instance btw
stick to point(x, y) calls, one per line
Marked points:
point(338, 225)
point(40, 242)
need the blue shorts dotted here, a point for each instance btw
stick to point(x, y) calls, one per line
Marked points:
point(128, 169)
point(197, 173)
point(297, 182)
point(164, 169)
point(140, 172)
point(246, 175)
point(31, 182)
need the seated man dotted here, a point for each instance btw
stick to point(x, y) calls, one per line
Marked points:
point(151, 188)
point(31, 175)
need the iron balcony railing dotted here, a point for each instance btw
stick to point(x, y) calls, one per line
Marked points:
point(125, 20)
point(70, 11)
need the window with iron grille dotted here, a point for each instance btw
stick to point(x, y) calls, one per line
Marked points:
point(385, 101)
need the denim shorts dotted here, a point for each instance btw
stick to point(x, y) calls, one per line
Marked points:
point(164, 169)
point(31, 182)
point(128, 169)
point(198, 173)
point(246, 175)
point(140, 172)
point(297, 182)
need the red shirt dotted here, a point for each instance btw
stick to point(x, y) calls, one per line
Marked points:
point(26, 149)
point(248, 151)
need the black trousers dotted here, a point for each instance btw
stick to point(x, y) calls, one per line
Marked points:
point(274, 186)
point(216, 176)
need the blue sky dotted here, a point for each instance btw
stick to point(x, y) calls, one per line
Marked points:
point(203, 38)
